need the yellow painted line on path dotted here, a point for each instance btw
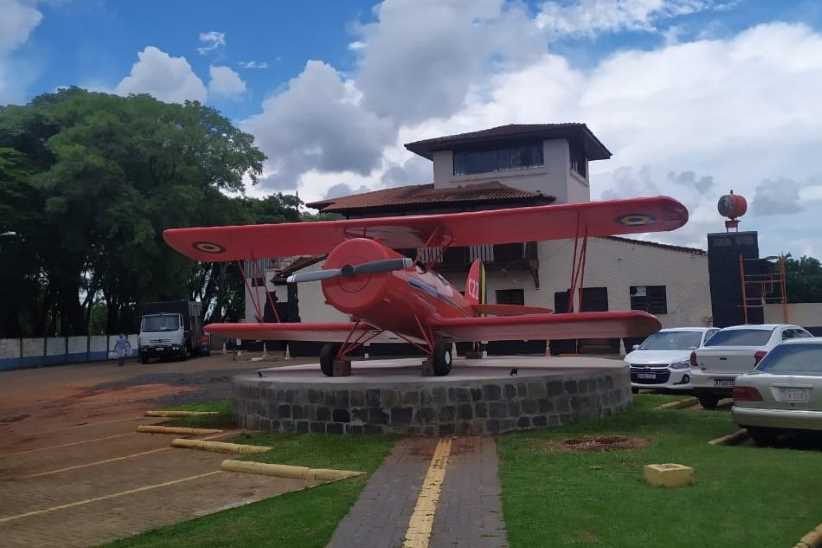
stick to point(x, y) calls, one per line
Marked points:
point(72, 444)
point(418, 534)
point(107, 497)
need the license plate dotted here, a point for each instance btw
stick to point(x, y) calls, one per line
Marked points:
point(160, 349)
point(727, 383)
point(798, 395)
point(649, 376)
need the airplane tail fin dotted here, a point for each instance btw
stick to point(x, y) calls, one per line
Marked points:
point(475, 284)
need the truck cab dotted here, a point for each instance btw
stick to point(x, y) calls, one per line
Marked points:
point(171, 329)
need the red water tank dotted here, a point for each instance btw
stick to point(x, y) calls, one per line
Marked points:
point(732, 205)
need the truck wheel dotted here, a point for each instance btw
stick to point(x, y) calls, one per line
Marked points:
point(442, 358)
point(328, 353)
point(708, 401)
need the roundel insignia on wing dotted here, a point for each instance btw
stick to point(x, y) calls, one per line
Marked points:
point(636, 219)
point(208, 247)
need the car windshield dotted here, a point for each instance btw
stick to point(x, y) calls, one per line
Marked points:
point(161, 322)
point(741, 337)
point(793, 359)
point(672, 340)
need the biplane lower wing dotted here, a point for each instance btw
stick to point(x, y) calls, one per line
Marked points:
point(579, 325)
point(319, 332)
point(499, 226)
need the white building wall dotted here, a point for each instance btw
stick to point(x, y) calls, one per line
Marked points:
point(618, 265)
point(804, 314)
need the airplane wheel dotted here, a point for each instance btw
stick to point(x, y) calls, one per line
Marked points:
point(442, 358)
point(328, 353)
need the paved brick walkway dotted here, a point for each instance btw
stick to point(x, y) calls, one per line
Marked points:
point(469, 513)
point(470, 510)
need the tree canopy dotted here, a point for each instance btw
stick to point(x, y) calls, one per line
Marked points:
point(803, 279)
point(88, 182)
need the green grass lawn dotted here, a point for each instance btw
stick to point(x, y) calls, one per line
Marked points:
point(300, 519)
point(744, 496)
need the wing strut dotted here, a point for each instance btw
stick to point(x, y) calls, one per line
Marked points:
point(578, 265)
point(259, 313)
point(349, 346)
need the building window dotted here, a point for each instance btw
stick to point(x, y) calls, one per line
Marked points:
point(511, 296)
point(579, 163)
point(650, 298)
point(593, 299)
point(468, 162)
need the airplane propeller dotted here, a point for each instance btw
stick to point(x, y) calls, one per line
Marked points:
point(371, 267)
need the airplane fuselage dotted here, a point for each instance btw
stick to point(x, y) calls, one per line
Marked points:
point(401, 301)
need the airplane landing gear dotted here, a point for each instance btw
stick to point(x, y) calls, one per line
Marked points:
point(328, 353)
point(442, 358)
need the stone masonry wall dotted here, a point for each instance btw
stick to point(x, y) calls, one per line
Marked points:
point(444, 407)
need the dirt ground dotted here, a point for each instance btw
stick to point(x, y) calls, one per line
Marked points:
point(74, 471)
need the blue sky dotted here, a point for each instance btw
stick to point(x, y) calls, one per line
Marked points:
point(693, 97)
point(95, 42)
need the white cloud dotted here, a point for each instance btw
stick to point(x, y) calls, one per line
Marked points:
point(18, 19)
point(591, 17)
point(225, 82)
point(692, 118)
point(212, 41)
point(317, 123)
point(733, 111)
point(167, 78)
point(253, 65)
point(421, 58)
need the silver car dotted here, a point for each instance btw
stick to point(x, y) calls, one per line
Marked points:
point(783, 393)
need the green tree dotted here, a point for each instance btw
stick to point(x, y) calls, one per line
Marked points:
point(90, 181)
point(803, 279)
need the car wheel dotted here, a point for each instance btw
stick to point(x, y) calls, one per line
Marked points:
point(634, 390)
point(708, 402)
point(143, 358)
point(763, 436)
point(442, 358)
point(328, 353)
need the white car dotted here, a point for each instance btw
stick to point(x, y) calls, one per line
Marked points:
point(731, 352)
point(661, 361)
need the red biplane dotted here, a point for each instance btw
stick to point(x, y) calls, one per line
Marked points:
point(384, 291)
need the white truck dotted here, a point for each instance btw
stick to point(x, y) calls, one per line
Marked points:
point(171, 329)
point(731, 352)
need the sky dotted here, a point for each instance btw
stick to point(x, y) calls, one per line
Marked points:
point(693, 97)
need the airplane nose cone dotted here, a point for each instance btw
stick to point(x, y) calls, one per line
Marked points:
point(353, 294)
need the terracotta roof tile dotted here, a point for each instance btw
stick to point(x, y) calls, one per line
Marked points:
point(427, 195)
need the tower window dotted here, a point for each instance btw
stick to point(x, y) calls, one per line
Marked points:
point(468, 162)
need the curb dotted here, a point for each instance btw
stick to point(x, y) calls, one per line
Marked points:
point(219, 446)
point(287, 471)
point(678, 404)
point(151, 429)
point(180, 413)
point(731, 439)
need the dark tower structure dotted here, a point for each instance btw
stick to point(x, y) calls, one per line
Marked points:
point(724, 252)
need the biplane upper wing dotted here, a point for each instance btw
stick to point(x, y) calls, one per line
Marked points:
point(545, 222)
point(578, 325)
point(320, 332)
